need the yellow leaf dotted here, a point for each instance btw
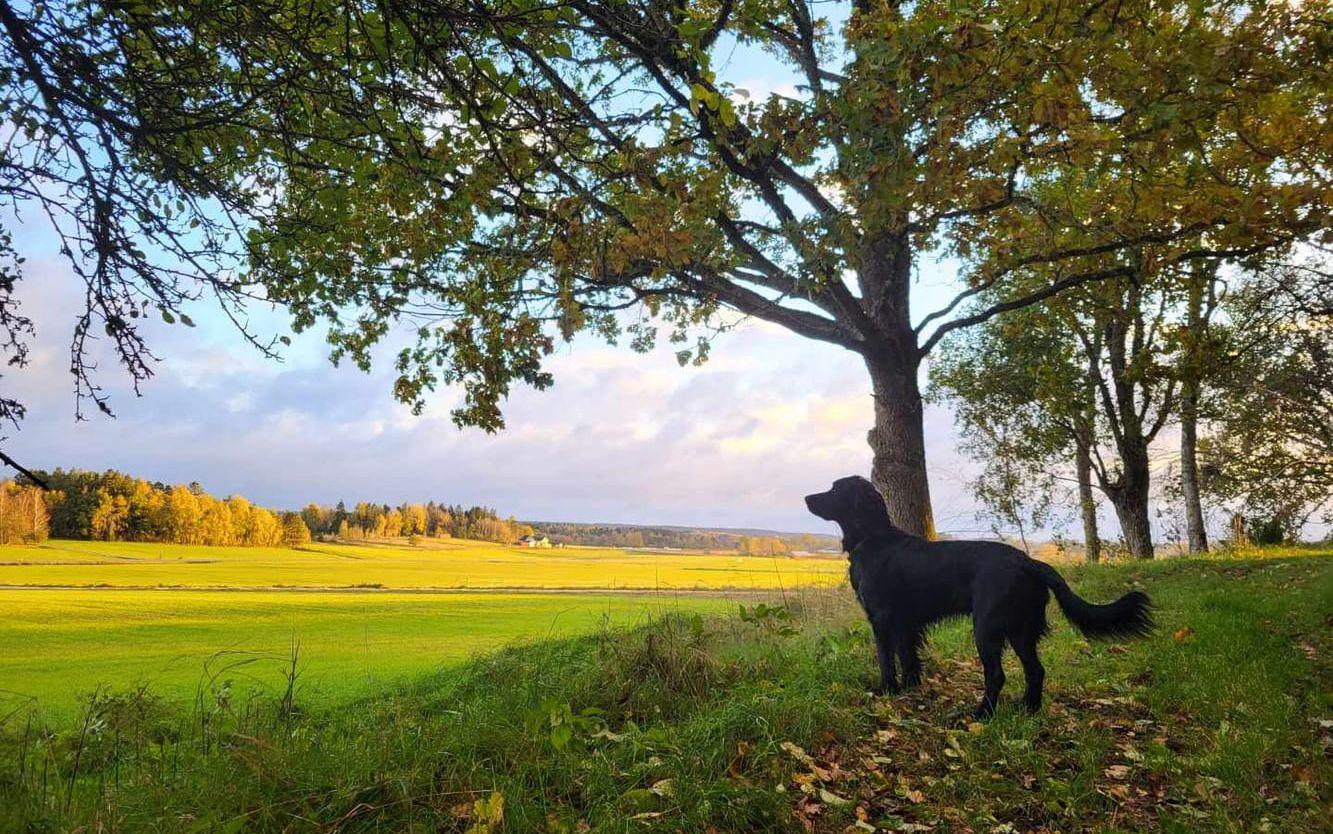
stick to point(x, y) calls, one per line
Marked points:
point(831, 798)
point(488, 814)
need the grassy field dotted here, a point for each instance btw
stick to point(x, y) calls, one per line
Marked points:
point(82, 614)
point(60, 645)
point(445, 563)
point(1222, 721)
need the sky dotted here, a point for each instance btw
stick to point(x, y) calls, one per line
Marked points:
point(621, 437)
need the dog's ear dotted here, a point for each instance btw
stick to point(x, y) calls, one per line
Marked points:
point(869, 508)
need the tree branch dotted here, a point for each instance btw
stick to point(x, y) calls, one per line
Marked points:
point(1028, 300)
point(24, 471)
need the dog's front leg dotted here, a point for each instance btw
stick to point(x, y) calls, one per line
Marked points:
point(909, 655)
point(884, 645)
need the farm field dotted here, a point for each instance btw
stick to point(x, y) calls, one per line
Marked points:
point(443, 564)
point(60, 645)
point(81, 614)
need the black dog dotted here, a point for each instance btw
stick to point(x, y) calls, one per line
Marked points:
point(905, 583)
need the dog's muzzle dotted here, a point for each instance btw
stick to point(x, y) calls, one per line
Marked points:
point(818, 504)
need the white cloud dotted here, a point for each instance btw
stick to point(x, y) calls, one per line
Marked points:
point(620, 437)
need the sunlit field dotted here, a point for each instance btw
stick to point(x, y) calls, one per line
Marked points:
point(60, 645)
point(441, 564)
point(186, 620)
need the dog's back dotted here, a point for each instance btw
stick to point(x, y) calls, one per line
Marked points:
point(920, 582)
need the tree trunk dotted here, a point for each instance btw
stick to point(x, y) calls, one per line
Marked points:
point(1130, 499)
point(1239, 536)
point(898, 444)
point(1189, 466)
point(1196, 326)
point(892, 356)
point(1092, 542)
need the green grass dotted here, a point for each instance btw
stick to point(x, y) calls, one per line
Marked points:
point(1218, 722)
point(82, 614)
point(61, 645)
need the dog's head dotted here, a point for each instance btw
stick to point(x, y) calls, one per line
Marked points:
point(855, 505)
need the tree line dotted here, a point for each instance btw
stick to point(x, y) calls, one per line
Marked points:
point(763, 546)
point(682, 538)
point(632, 536)
point(369, 520)
point(112, 506)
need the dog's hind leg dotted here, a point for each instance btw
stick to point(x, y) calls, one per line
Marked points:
point(909, 655)
point(884, 643)
point(990, 647)
point(1024, 638)
point(1025, 646)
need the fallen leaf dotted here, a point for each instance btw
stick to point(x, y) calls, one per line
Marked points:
point(1183, 634)
point(831, 798)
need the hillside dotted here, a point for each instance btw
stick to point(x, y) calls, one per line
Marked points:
point(1218, 722)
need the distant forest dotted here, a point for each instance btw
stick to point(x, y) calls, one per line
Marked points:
point(368, 521)
point(748, 542)
point(113, 506)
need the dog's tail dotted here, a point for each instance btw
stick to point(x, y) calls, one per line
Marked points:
point(1129, 616)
